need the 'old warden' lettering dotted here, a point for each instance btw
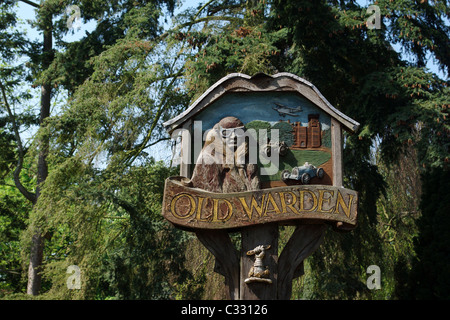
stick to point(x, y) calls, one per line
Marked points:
point(196, 208)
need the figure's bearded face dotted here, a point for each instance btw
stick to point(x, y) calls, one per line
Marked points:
point(232, 136)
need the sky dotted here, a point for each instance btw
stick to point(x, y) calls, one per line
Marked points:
point(161, 151)
point(26, 12)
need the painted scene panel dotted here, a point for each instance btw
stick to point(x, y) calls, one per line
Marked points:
point(304, 133)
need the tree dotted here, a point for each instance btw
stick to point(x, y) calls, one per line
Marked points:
point(427, 278)
point(398, 213)
point(13, 44)
point(99, 205)
point(52, 69)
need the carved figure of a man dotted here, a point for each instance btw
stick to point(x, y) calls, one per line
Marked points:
point(223, 165)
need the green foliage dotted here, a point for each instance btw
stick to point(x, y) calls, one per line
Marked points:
point(428, 278)
point(109, 224)
point(99, 207)
point(398, 213)
point(13, 218)
point(257, 125)
point(6, 151)
point(89, 210)
point(237, 42)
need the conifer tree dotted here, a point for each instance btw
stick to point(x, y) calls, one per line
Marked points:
point(98, 204)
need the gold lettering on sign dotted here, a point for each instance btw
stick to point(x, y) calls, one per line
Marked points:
point(258, 207)
point(193, 208)
point(302, 201)
point(199, 210)
point(216, 210)
point(290, 202)
point(275, 208)
point(322, 199)
point(174, 202)
point(341, 202)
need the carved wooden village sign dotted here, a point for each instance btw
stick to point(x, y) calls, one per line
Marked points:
point(257, 152)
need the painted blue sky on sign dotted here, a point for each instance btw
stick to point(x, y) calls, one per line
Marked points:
point(264, 106)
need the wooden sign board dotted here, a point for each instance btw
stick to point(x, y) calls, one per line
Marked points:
point(195, 208)
point(257, 152)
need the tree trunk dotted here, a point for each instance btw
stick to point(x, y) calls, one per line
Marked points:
point(36, 254)
point(37, 243)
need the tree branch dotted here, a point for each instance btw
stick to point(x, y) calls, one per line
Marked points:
point(12, 271)
point(30, 3)
point(128, 207)
point(30, 196)
point(204, 19)
point(133, 154)
point(157, 141)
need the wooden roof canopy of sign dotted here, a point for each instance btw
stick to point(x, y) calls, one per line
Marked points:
point(238, 82)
